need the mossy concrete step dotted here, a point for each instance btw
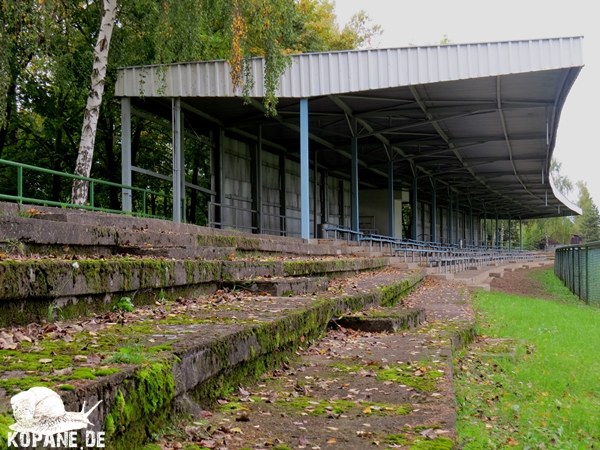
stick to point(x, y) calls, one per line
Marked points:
point(30, 235)
point(383, 320)
point(206, 253)
point(281, 287)
point(117, 221)
point(197, 359)
point(29, 289)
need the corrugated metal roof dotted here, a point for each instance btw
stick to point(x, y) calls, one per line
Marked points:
point(317, 74)
point(478, 119)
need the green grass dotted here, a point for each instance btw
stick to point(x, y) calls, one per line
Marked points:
point(549, 393)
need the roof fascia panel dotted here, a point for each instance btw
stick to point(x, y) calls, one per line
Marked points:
point(319, 74)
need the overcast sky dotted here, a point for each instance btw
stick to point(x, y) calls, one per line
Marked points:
point(470, 21)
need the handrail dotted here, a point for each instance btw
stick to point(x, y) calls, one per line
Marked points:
point(20, 198)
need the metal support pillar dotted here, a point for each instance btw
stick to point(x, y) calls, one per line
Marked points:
point(450, 220)
point(176, 137)
point(497, 231)
point(304, 171)
point(324, 198)
point(457, 222)
point(315, 195)
point(434, 216)
point(521, 234)
point(257, 183)
point(415, 210)
point(126, 177)
point(282, 195)
point(485, 236)
point(354, 185)
point(217, 179)
point(183, 200)
point(509, 235)
point(342, 204)
point(471, 230)
point(391, 212)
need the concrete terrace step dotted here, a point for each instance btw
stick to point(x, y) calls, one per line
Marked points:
point(206, 253)
point(281, 287)
point(29, 288)
point(200, 350)
point(121, 221)
point(50, 237)
point(387, 320)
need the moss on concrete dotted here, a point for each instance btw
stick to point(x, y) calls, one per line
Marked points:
point(420, 376)
point(141, 407)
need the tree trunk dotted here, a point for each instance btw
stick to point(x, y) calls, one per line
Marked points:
point(10, 96)
point(85, 156)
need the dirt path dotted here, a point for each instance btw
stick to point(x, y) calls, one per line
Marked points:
point(521, 282)
point(351, 390)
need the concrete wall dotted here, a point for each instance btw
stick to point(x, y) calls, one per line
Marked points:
point(373, 210)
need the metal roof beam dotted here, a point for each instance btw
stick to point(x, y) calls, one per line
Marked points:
point(316, 138)
point(443, 135)
point(338, 101)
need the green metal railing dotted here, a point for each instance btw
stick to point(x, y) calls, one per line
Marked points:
point(21, 198)
point(578, 266)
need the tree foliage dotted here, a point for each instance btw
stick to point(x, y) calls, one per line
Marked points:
point(317, 30)
point(588, 224)
point(46, 58)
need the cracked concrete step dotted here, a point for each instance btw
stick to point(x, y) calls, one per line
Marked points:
point(282, 287)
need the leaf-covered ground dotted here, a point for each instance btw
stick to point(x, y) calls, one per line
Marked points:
point(350, 390)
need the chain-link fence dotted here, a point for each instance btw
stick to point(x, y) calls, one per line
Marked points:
point(578, 266)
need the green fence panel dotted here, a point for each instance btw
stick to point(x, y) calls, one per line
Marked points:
point(578, 266)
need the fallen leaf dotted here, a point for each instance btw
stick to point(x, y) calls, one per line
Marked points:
point(65, 371)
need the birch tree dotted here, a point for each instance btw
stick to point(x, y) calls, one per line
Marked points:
point(94, 102)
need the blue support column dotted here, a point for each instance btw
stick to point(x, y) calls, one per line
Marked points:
point(415, 211)
point(176, 137)
point(126, 177)
point(354, 185)
point(433, 216)
point(391, 212)
point(304, 173)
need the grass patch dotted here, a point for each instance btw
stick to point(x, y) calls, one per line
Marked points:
point(549, 393)
point(554, 286)
point(317, 408)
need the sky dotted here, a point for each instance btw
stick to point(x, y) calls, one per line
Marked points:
point(471, 21)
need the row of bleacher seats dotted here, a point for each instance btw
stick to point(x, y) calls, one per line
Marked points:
point(446, 257)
